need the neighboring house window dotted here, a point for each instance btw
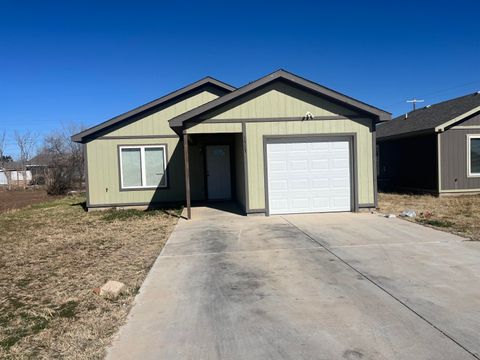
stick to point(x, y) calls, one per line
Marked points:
point(143, 166)
point(473, 155)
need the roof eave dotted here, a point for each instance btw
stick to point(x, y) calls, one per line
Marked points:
point(83, 136)
point(457, 119)
point(405, 134)
point(379, 114)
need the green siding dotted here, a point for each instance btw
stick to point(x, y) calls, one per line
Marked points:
point(157, 123)
point(225, 128)
point(104, 176)
point(255, 155)
point(103, 166)
point(276, 101)
point(280, 100)
point(240, 171)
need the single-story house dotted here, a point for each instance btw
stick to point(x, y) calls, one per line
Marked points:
point(434, 149)
point(281, 144)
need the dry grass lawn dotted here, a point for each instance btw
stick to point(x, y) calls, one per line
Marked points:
point(457, 214)
point(53, 257)
point(18, 198)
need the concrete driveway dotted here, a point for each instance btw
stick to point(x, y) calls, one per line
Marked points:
point(320, 286)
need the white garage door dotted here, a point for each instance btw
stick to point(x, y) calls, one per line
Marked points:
point(308, 177)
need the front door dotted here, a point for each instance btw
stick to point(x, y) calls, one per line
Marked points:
point(218, 172)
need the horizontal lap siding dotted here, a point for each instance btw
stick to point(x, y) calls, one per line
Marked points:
point(255, 155)
point(454, 160)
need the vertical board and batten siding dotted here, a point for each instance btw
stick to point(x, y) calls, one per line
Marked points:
point(453, 159)
point(103, 164)
point(240, 171)
point(157, 123)
point(255, 152)
point(280, 100)
point(225, 128)
point(471, 121)
point(104, 177)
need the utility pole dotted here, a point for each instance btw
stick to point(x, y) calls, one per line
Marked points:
point(414, 103)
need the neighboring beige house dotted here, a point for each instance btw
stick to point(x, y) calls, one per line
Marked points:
point(281, 144)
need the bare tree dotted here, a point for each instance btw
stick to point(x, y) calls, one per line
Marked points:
point(65, 160)
point(3, 157)
point(27, 143)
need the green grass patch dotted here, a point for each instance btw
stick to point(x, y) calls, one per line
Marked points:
point(437, 223)
point(127, 214)
point(30, 325)
point(68, 310)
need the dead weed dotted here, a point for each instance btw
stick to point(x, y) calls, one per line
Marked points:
point(52, 257)
point(456, 214)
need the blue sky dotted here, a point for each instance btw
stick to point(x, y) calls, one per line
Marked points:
point(85, 62)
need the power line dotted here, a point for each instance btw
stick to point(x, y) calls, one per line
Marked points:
point(441, 91)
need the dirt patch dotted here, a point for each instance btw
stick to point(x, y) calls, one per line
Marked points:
point(16, 199)
point(456, 214)
point(54, 256)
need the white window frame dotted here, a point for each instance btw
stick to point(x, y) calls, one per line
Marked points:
point(469, 162)
point(142, 166)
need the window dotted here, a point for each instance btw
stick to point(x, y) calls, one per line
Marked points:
point(143, 166)
point(473, 155)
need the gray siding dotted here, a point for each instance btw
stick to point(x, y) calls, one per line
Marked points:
point(454, 160)
point(408, 164)
point(471, 121)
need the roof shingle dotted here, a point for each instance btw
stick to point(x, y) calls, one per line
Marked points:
point(428, 118)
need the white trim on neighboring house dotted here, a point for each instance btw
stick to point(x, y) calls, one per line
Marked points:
point(469, 164)
point(142, 164)
point(457, 119)
point(465, 127)
point(439, 161)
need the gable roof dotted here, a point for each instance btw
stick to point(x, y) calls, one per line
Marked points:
point(205, 83)
point(431, 118)
point(380, 115)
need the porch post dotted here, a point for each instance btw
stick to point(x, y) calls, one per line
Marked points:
point(187, 174)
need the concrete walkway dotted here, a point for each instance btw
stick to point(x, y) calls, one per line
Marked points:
point(322, 286)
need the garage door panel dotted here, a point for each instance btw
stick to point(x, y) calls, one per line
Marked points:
point(340, 164)
point(279, 185)
point(294, 147)
point(319, 164)
point(308, 177)
point(319, 183)
point(301, 184)
point(296, 165)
